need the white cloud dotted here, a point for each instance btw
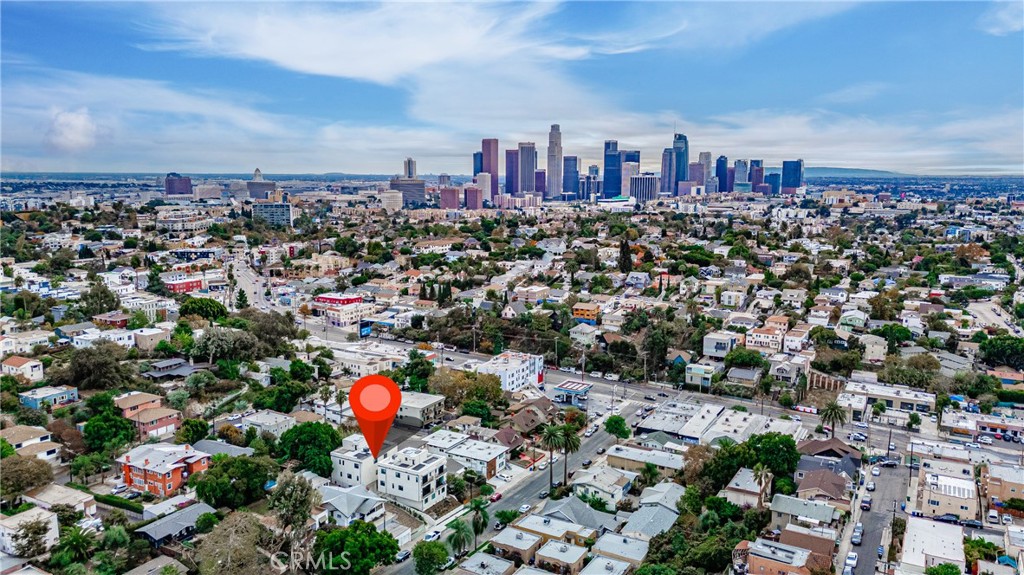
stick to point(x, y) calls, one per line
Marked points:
point(72, 131)
point(1002, 18)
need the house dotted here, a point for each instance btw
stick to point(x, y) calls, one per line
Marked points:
point(16, 365)
point(634, 459)
point(514, 309)
point(177, 526)
point(133, 402)
point(42, 397)
point(846, 467)
point(765, 339)
point(509, 438)
point(1002, 481)
point(52, 494)
point(664, 495)
point(853, 320)
point(161, 468)
point(574, 510)
point(928, 543)
point(162, 565)
point(11, 526)
point(820, 541)
point(344, 505)
point(353, 464)
point(115, 319)
point(561, 557)
point(825, 485)
point(647, 523)
point(584, 312)
point(554, 529)
point(170, 368)
point(830, 448)
point(267, 420)
point(702, 373)
point(156, 422)
point(413, 477)
point(606, 483)
point(420, 409)
point(787, 509)
point(32, 442)
point(641, 280)
point(584, 334)
point(516, 545)
point(766, 556)
point(746, 377)
point(222, 448)
point(719, 343)
point(941, 494)
point(484, 564)
point(744, 490)
point(628, 549)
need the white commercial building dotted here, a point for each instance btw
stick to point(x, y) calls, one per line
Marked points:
point(515, 370)
point(413, 477)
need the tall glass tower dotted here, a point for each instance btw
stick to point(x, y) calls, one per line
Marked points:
point(612, 169)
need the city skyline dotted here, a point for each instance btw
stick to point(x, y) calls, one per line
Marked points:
point(936, 89)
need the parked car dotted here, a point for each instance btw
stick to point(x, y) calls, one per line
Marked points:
point(432, 536)
point(543, 465)
point(973, 446)
point(600, 450)
point(871, 486)
point(857, 539)
point(973, 524)
point(588, 433)
point(662, 394)
point(847, 570)
point(498, 525)
point(587, 463)
point(876, 471)
point(543, 494)
point(1007, 519)
point(525, 508)
point(851, 559)
point(889, 463)
point(448, 564)
point(650, 398)
point(865, 504)
point(985, 439)
point(860, 425)
point(495, 497)
point(119, 488)
point(948, 518)
point(402, 555)
point(133, 495)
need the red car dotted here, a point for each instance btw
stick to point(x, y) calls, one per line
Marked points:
point(999, 435)
point(495, 497)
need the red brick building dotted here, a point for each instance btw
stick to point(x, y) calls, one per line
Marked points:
point(184, 286)
point(161, 468)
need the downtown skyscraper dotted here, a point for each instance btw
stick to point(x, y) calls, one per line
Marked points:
point(722, 173)
point(511, 172)
point(489, 147)
point(570, 178)
point(681, 152)
point(612, 170)
point(668, 169)
point(554, 171)
point(527, 168)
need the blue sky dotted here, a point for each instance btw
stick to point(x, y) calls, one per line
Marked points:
point(917, 87)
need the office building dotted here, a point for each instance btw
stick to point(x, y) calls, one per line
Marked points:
point(444, 180)
point(478, 162)
point(540, 184)
point(409, 168)
point(711, 185)
point(489, 146)
point(681, 153)
point(177, 185)
point(258, 188)
point(474, 197)
point(756, 176)
point(792, 173)
point(274, 213)
point(527, 168)
point(668, 170)
point(554, 171)
point(511, 172)
point(449, 199)
point(755, 164)
point(629, 169)
point(515, 370)
point(775, 181)
point(414, 190)
point(644, 187)
point(483, 182)
point(589, 186)
point(706, 165)
point(722, 173)
point(742, 168)
point(593, 170)
point(612, 170)
point(696, 173)
point(570, 177)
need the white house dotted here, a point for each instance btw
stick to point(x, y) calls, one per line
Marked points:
point(607, 483)
point(515, 370)
point(30, 369)
point(413, 477)
point(10, 526)
point(353, 463)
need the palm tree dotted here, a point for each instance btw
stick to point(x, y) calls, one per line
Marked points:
point(77, 543)
point(650, 474)
point(570, 444)
point(761, 475)
point(551, 438)
point(833, 415)
point(461, 537)
point(480, 517)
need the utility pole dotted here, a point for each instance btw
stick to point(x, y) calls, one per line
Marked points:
point(889, 444)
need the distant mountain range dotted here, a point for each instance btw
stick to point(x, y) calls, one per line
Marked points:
point(826, 172)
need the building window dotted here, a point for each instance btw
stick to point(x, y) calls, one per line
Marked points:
point(168, 486)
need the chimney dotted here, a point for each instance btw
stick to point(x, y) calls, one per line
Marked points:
point(146, 463)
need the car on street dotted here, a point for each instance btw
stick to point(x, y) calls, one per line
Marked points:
point(495, 497)
point(600, 450)
point(662, 394)
point(847, 570)
point(948, 518)
point(865, 504)
point(892, 447)
point(587, 463)
point(796, 418)
point(525, 508)
point(860, 425)
point(973, 524)
point(851, 559)
point(650, 398)
point(543, 494)
point(857, 539)
point(556, 484)
point(543, 465)
point(498, 525)
point(639, 412)
point(857, 437)
point(448, 564)
point(934, 419)
point(432, 536)
point(1007, 520)
point(402, 555)
point(876, 471)
point(973, 446)
point(889, 463)
point(588, 433)
point(871, 486)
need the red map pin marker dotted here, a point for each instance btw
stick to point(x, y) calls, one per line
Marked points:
point(375, 400)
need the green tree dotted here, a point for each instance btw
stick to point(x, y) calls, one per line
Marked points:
point(192, 431)
point(241, 300)
point(456, 487)
point(743, 357)
point(77, 543)
point(21, 474)
point(355, 550)
point(571, 443)
point(30, 539)
point(107, 431)
point(1003, 350)
point(833, 415)
point(178, 399)
point(6, 449)
point(67, 514)
point(311, 444)
point(625, 257)
point(99, 299)
point(649, 474)
point(96, 367)
point(236, 546)
point(914, 420)
point(460, 538)
point(233, 481)
point(300, 370)
point(139, 320)
point(775, 451)
point(292, 501)
point(429, 557)
point(943, 569)
point(478, 507)
point(206, 308)
point(551, 438)
point(616, 425)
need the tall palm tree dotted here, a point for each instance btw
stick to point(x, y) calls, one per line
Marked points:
point(480, 517)
point(461, 537)
point(571, 444)
point(833, 415)
point(77, 542)
point(552, 438)
point(650, 474)
point(761, 475)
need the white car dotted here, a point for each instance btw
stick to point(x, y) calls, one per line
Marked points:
point(525, 508)
point(875, 471)
point(861, 425)
point(543, 465)
point(796, 418)
point(432, 536)
point(851, 559)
